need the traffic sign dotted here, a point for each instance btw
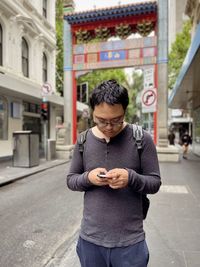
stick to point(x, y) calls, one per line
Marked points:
point(149, 100)
point(149, 78)
point(46, 89)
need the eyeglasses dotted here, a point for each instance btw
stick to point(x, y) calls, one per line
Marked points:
point(117, 122)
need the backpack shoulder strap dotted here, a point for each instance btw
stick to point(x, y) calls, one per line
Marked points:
point(138, 135)
point(81, 140)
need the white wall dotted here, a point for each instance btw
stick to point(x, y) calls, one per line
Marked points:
point(19, 19)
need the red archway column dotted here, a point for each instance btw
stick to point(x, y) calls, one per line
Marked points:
point(155, 113)
point(74, 110)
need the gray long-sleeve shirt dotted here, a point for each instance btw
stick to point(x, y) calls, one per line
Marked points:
point(114, 217)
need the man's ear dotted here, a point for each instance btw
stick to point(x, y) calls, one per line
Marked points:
point(92, 113)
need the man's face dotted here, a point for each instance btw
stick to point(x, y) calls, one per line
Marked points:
point(109, 118)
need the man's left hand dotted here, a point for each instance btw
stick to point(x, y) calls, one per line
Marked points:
point(117, 178)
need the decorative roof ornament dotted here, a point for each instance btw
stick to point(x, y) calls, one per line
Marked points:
point(123, 30)
point(145, 28)
point(83, 36)
point(102, 33)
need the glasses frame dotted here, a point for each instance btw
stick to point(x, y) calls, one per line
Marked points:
point(116, 122)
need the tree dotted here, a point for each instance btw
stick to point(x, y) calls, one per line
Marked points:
point(134, 89)
point(178, 53)
point(59, 45)
point(97, 76)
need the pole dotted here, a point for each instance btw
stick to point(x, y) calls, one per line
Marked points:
point(162, 72)
point(45, 132)
point(68, 85)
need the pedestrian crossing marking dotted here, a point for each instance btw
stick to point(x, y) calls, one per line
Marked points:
point(176, 189)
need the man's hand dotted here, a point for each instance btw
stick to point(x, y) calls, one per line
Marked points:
point(94, 179)
point(117, 178)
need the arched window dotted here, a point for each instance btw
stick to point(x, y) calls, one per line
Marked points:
point(3, 118)
point(44, 8)
point(1, 46)
point(44, 68)
point(25, 58)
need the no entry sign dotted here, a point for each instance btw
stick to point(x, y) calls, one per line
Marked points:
point(149, 100)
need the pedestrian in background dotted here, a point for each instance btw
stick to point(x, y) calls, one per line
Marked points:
point(186, 141)
point(112, 231)
point(171, 138)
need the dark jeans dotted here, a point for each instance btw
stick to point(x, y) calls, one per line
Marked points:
point(91, 255)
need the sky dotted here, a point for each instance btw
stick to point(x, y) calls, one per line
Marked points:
point(82, 5)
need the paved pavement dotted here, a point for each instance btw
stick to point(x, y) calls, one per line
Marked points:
point(9, 174)
point(172, 225)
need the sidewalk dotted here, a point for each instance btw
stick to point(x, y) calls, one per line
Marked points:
point(10, 174)
point(172, 226)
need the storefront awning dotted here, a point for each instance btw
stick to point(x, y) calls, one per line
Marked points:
point(187, 83)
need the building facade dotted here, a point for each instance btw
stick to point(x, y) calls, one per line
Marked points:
point(27, 62)
point(176, 18)
point(186, 92)
point(178, 120)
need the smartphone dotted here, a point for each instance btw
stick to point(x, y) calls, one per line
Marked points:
point(101, 175)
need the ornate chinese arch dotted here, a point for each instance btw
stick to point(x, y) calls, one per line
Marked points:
point(80, 54)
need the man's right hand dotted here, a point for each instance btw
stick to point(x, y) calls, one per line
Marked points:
point(94, 179)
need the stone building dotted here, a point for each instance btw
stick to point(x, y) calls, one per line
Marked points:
point(176, 18)
point(27, 61)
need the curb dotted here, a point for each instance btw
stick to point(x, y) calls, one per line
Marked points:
point(65, 252)
point(9, 180)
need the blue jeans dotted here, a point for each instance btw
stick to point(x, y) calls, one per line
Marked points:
point(91, 255)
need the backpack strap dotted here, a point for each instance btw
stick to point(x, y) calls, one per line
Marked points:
point(138, 135)
point(81, 140)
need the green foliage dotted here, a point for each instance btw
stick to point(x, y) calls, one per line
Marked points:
point(59, 45)
point(97, 76)
point(178, 53)
point(134, 89)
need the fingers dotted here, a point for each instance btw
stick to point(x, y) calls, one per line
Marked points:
point(118, 178)
point(115, 178)
point(94, 179)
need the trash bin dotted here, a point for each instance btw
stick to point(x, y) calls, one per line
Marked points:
point(26, 149)
point(51, 149)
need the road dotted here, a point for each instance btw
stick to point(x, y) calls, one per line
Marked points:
point(38, 217)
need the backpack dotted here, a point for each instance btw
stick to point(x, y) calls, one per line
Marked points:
point(138, 136)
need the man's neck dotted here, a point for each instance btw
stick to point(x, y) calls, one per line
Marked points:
point(101, 135)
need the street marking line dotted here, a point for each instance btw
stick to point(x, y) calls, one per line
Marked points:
point(175, 189)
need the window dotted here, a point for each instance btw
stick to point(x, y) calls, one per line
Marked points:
point(25, 58)
point(44, 68)
point(3, 119)
point(82, 92)
point(1, 46)
point(44, 8)
point(31, 107)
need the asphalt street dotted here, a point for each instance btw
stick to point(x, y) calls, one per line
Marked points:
point(37, 215)
point(32, 208)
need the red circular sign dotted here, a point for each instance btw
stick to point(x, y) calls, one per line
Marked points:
point(149, 97)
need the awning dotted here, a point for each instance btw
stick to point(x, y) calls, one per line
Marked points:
point(188, 81)
point(27, 90)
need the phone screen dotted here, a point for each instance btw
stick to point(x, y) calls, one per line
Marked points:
point(101, 175)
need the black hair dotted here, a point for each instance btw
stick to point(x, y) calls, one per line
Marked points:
point(111, 93)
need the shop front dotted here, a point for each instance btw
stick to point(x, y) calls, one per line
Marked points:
point(186, 92)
